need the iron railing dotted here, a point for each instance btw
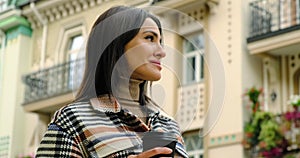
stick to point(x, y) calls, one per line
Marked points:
point(273, 17)
point(53, 81)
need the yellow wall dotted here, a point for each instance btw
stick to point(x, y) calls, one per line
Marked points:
point(12, 116)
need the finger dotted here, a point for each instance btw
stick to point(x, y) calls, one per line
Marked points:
point(155, 151)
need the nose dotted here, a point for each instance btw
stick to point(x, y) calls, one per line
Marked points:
point(160, 52)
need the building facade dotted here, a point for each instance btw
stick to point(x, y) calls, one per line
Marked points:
point(216, 49)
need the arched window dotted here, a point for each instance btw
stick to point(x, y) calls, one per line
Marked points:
point(70, 53)
point(297, 82)
point(70, 42)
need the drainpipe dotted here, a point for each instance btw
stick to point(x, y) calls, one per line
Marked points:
point(45, 30)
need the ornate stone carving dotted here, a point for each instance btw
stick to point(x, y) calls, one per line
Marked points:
point(57, 10)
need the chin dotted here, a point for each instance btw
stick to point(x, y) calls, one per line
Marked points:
point(155, 77)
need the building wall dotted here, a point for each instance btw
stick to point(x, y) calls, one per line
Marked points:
point(227, 31)
point(11, 112)
point(56, 29)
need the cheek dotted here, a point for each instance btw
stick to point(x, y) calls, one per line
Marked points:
point(139, 55)
point(150, 72)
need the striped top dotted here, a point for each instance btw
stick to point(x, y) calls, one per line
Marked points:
point(102, 128)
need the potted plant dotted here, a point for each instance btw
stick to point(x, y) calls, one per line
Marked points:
point(262, 133)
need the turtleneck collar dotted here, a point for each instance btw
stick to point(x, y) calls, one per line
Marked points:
point(128, 89)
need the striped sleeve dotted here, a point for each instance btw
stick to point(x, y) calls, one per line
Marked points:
point(57, 143)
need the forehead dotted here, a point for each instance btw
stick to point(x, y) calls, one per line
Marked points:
point(150, 24)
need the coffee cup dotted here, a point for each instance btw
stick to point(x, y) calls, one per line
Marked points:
point(159, 139)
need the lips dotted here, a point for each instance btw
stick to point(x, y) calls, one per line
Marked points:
point(157, 64)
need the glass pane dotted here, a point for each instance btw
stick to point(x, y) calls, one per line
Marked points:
point(201, 67)
point(193, 43)
point(3, 5)
point(76, 42)
point(198, 41)
point(190, 69)
point(188, 47)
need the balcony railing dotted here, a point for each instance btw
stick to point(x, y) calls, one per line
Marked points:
point(53, 81)
point(191, 106)
point(273, 17)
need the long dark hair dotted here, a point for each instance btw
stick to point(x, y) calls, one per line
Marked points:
point(107, 39)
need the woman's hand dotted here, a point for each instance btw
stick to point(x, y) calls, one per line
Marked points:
point(152, 152)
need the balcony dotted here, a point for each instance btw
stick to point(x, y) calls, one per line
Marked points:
point(191, 106)
point(51, 83)
point(273, 24)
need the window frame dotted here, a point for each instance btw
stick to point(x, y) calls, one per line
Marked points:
point(67, 32)
point(197, 153)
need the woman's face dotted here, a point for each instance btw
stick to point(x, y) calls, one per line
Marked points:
point(144, 51)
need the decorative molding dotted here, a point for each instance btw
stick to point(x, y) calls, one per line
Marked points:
point(16, 31)
point(55, 10)
point(226, 139)
point(293, 69)
point(274, 43)
point(212, 6)
point(15, 25)
point(136, 2)
point(192, 20)
point(229, 32)
point(7, 14)
point(13, 21)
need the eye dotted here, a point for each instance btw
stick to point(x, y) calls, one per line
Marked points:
point(149, 38)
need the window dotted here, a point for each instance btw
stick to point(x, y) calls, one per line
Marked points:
point(194, 144)
point(75, 44)
point(69, 51)
point(3, 5)
point(193, 48)
point(298, 11)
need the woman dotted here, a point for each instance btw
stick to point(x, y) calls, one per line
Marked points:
point(111, 111)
